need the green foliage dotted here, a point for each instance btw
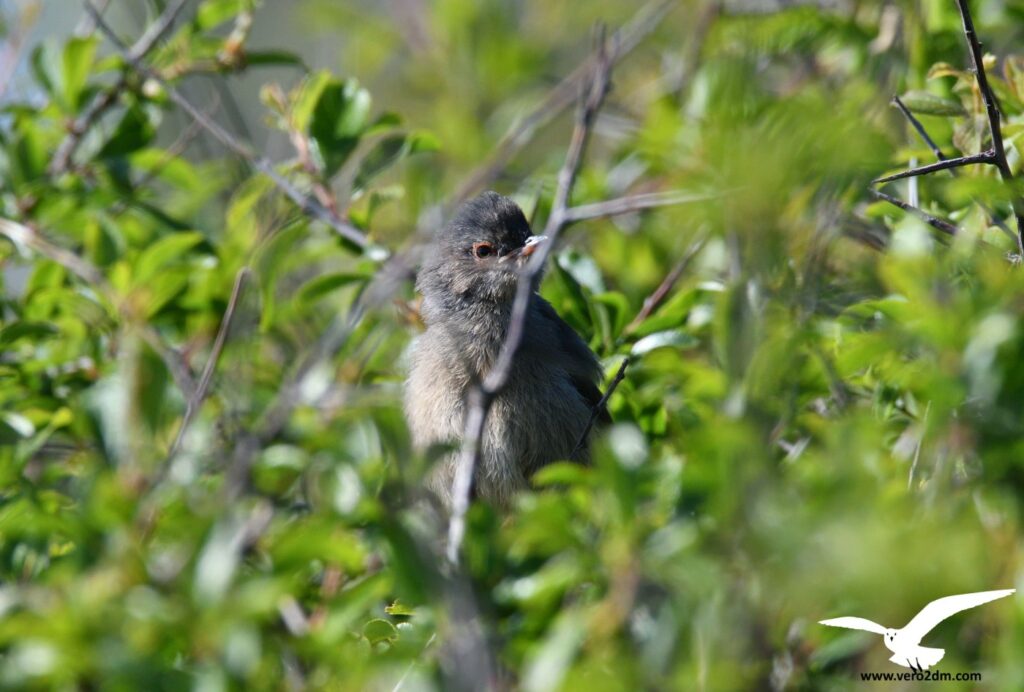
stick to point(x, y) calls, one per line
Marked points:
point(807, 428)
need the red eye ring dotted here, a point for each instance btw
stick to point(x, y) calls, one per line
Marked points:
point(482, 250)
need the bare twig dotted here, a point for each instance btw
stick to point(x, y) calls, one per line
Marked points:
point(561, 96)
point(600, 406)
point(307, 203)
point(25, 236)
point(482, 395)
point(933, 221)
point(654, 300)
point(107, 98)
point(199, 395)
point(986, 156)
point(919, 127)
point(634, 203)
point(992, 111)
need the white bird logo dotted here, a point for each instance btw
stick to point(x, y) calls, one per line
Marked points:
point(905, 644)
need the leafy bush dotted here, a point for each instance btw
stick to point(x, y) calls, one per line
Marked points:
point(205, 478)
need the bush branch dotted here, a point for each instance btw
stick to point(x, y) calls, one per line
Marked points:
point(307, 203)
point(992, 111)
point(987, 156)
point(107, 98)
point(483, 394)
point(202, 389)
point(933, 221)
point(919, 127)
point(561, 96)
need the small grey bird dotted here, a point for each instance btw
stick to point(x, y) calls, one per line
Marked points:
point(468, 282)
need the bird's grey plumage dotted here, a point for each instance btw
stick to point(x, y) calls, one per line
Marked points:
point(467, 303)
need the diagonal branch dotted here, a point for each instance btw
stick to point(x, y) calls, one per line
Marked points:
point(107, 98)
point(561, 96)
point(654, 300)
point(199, 395)
point(987, 156)
point(933, 221)
point(307, 203)
point(919, 127)
point(482, 396)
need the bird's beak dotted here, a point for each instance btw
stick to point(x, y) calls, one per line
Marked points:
point(529, 247)
point(532, 243)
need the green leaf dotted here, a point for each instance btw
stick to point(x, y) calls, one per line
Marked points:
point(79, 54)
point(163, 252)
point(675, 338)
point(213, 13)
point(37, 331)
point(340, 116)
point(400, 609)
point(379, 630)
point(273, 57)
point(320, 286)
point(927, 103)
point(133, 132)
point(306, 97)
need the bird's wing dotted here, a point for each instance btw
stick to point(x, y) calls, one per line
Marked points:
point(852, 623)
point(942, 608)
point(576, 357)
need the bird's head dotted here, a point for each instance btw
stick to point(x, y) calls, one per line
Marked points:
point(478, 256)
point(890, 635)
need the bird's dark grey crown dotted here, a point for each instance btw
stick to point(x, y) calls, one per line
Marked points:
point(494, 215)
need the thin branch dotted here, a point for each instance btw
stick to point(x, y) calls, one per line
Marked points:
point(919, 127)
point(992, 110)
point(307, 203)
point(561, 96)
point(482, 396)
point(99, 105)
point(933, 221)
point(941, 157)
point(654, 300)
point(27, 237)
point(199, 395)
point(986, 156)
point(600, 406)
point(634, 203)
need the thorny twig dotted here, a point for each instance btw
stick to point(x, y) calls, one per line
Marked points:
point(941, 157)
point(995, 156)
point(987, 156)
point(107, 98)
point(307, 203)
point(482, 395)
point(919, 127)
point(933, 221)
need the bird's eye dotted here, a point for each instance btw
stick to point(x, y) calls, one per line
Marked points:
point(482, 250)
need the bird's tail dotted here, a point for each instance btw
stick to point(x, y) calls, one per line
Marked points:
point(921, 658)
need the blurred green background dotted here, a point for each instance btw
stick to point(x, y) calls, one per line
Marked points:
point(821, 418)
